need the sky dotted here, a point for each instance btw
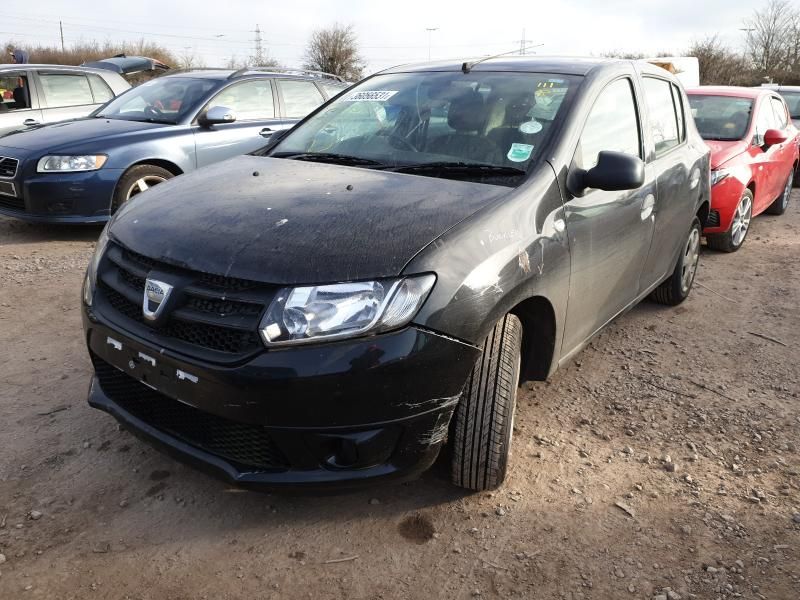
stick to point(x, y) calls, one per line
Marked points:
point(389, 33)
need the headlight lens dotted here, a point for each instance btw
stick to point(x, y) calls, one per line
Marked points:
point(718, 175)
point(91, 272)
point(324, 312)
point(71, 164)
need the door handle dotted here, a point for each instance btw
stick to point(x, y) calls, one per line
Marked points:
point(647, 206)
point(266, 132)
point(30, 122)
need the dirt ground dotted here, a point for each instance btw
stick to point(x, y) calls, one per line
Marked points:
point(662, 464)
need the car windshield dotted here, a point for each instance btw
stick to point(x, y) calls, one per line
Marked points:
point(165, 100)
point(476, 126)
point(793, 101)
point(721, 118)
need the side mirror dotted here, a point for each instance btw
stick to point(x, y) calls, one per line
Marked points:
point(773, 137)
point(216, 115)
point(614, 171)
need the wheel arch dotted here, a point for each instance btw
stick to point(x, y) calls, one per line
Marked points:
point(703, 211)
point(538, 320)
point(158, 162)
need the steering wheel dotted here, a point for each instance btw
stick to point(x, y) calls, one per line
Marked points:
point(407, 145)
point(153, 112)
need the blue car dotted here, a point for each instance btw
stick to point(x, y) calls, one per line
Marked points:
point(82, 171)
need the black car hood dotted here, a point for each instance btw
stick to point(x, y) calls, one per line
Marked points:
point(295, 222)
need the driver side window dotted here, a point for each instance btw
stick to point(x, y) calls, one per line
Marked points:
point(765, 119)
point(250, 100)
point(612, 125)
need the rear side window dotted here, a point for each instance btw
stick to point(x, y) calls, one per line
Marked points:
point(331, 89)
point(299, 97)
point(65, 89)
point(251, 100)
point(102, 93)
point(612, 125)
point(663, 117)
point(780, 112)
point(680, 112)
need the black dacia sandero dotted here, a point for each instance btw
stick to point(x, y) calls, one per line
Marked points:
point(337, 307)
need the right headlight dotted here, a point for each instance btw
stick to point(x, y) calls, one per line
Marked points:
point(71, 163)
point(90, 283)
point(306, 314)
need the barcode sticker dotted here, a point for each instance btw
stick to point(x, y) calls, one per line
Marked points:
point(374, 96)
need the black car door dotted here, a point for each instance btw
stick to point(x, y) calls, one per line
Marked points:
point(608, 237)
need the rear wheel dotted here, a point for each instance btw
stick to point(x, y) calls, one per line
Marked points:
point(676, 289)
point(136, 180)
point(732, 240)
point(484, 418)
point(781, 202)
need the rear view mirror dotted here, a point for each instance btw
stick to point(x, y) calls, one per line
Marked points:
point(773, 137)
point(615, 171)
point(216, 115)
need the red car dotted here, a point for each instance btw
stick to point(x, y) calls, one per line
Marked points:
point(754, 156)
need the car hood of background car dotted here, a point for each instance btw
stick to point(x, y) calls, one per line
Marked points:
point(287, 221)
point(722, 152)
point(73, 134)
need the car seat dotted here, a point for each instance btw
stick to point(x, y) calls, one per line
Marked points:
point(466, 116)
point(21, 98)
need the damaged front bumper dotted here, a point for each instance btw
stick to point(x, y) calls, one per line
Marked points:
point(338, 414)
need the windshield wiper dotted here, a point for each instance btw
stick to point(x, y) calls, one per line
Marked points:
point(461, 167)
point(329, 157)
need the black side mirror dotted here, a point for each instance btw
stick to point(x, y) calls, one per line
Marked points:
point(615, 171)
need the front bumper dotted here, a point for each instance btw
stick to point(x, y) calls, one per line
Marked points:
point(725, 197)
point(62, 197)
point(338, 414)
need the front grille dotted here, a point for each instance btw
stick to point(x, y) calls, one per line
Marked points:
point(8, 166)
point(12, 203)
point(245, 444)
point(214, 313)
point(713, 219)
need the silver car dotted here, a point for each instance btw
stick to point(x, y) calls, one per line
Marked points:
point(37, 94)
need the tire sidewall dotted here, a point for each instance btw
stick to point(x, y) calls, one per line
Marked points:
point(130, 177)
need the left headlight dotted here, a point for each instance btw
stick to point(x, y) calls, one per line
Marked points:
point(718, 175)
point(71, 164)
point(341, 310)
point(90, 283)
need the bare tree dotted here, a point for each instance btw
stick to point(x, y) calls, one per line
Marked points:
point(770, 38)
point(335, 50)
point(719, 65)
point(190, 60)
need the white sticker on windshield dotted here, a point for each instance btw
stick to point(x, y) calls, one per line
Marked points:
point(520, 152)
point(530, 127)
point(374, 96)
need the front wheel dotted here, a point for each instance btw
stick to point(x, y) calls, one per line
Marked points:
point(781, 202)
point(676, 289)
point(136, 180)
point(732, 240)
point(484, 418)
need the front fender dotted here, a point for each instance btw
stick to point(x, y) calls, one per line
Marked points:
point(512, 250)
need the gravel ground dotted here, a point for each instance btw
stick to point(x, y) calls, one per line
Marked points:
point(662, 464)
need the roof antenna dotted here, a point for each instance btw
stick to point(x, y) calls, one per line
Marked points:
point(467, 66)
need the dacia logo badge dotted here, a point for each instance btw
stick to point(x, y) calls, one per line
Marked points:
point(156, 294)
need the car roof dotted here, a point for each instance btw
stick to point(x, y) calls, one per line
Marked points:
point(533, 64)
point(27, 67)
point(781, 88)
point(221, 74)
point(729, 90)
